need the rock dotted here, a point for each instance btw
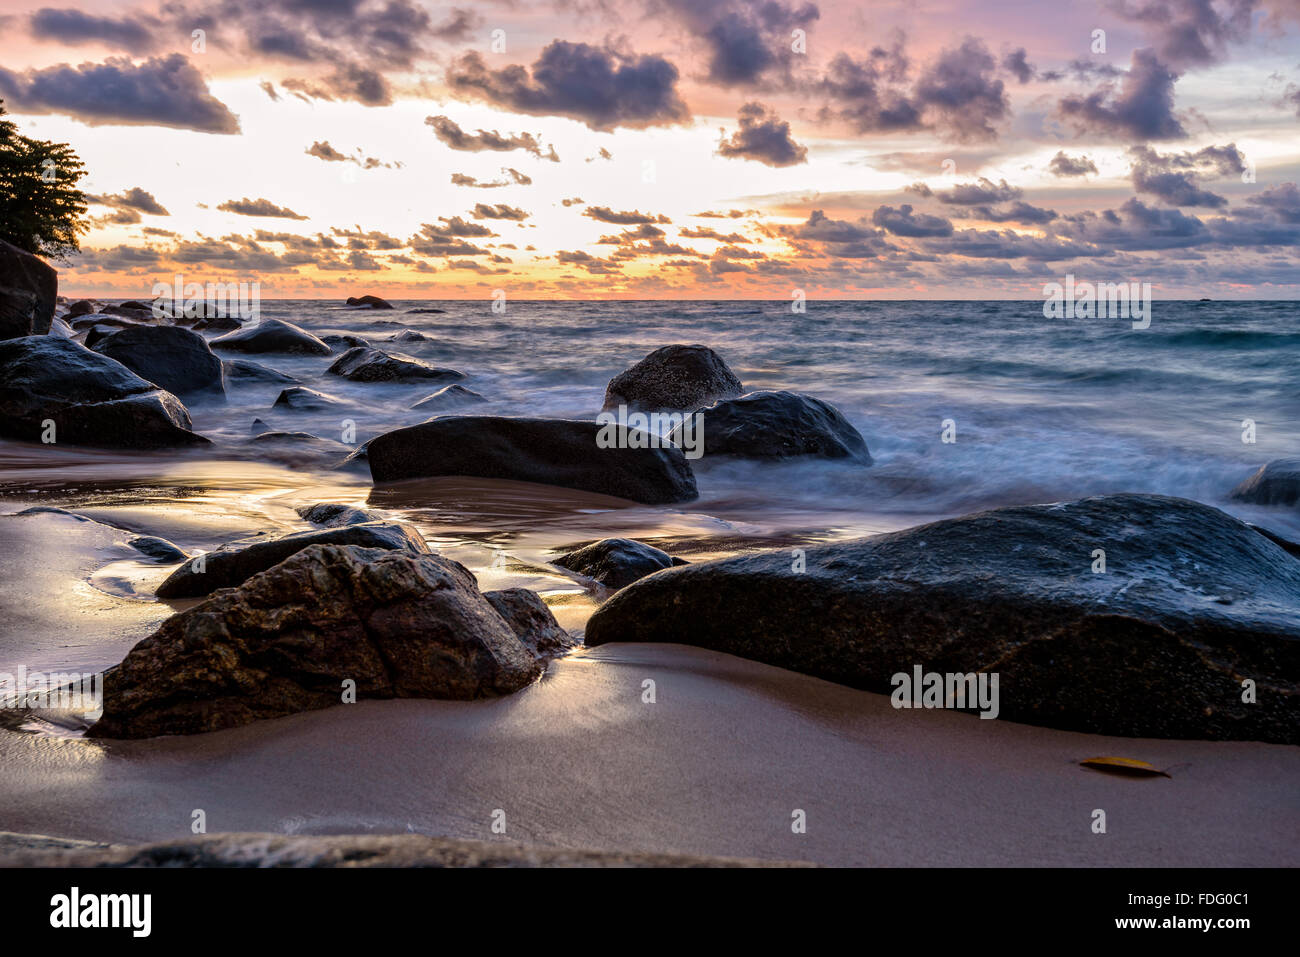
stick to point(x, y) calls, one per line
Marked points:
point(102, 319)
point(398, 624)
point(548, 451)
point(1288, 546)
point(449, 397)
point(410, 335)
point(97, 335)
point(374, 302)
point(301, 399)
point(342, 343)
point(82, 307)
point(1277, 483)
point(137, 305)
point(358, 461)
point(301, 440)
point(258, 427)
point(60, 329)
point(363, 364)
point(673, 377)
point(246, 371)
point(1191, 603)
point(616, 562)
point(168, 356)
point(217, 324)
point(233, 564)
point(272, 335)
point(333, 515)
point(136, 312)
point(778, 425)
point(53, 510)
point(91, 399)
point(28, 291)
point(532, 622)
point(424, 311)
point(159, 549)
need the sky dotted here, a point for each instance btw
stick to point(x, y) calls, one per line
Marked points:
point(697, 149)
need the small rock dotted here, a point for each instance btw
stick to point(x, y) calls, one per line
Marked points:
point(617, 562)
point(364, 364)
point(673, 377)
point(272, 335)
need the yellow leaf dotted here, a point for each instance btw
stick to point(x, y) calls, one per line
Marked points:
point(1129, 766)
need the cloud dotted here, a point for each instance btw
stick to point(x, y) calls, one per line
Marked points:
point(450, 133)
point(1017, 212)
point(498, 211)
point(322, 150)
point(1190, 32)
point(626, 218)
point(1141, 109)
point(598, 86)
point(514, 177)
point(134, 199)
point(902, 222)
point(765, 137)
point(1063, 165)
point(1173, 178)
point(162, 91)
point(74, 27)
point(961, 88)
point(748, 41)
point(258, 207)
point(349, 82)
point(1017, 64)
point(984, 190)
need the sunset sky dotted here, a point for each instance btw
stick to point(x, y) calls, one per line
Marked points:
point(672, 148)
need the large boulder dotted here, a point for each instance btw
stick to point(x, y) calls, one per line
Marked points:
point(547, 451)
point(235, 563)
point(29, 289)
point(91, 399)
point(272, 335)
point(616, 562)
point(374, 302)
point(397, 624)
point(168, 356)
point(779, 425)
point(1277, 483)
point(1190, 604)
point(673, 377)
point(364, 364)
point(532, 622)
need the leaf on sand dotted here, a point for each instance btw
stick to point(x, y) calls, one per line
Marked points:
point(1128, 766)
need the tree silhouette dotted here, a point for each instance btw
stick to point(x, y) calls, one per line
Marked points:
point(41, 209)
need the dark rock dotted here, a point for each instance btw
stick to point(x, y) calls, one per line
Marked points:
point(374, 302)
point(29, 289)
point(247, 371)
point(1277, 483)
point(424, 311)
point(548, 451)
point(410, 335)
point(217, 324)
point(532, 622)
point(449, 397)
point(258, 427)
point(159, 549)
point(233, 564)
point(342, 343)
point(616, 562)
point(1288, 546)
point(92, 399)
point(98, 335)
point(398, 624)
point(364, 364)
point(135, 313)
point(53, 510)
point(302, 399)
point(102, 319)
point(358, 461)
point(137, 305)
point(168, 356)
point(333, 515)
point(272, 335)
point(1191, 603)
point(301, 439)
point(778, 425)
point(673, 377)
point(82, 307)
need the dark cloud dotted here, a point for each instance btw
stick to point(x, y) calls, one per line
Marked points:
point(601, 87)
point(74, 27)
point(1017, 212)
point(982, 191)
point(707, 232)
point(498, 211)
point(1063, 165)
point(1174, 178)
point(1190, 32)
point(862, 95)
point(258, 207)
point(349, 82)
point(625, 218)
point(450, 133)
point(322, 150)
point(962, 89)
point(162, 91)
point(514, 177)
point(1017, 64)
point(1141, 109)
point(902, 221)
point(133, 199)
point(765, 137)
point(748, 40)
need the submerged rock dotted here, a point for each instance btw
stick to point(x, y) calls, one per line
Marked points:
point(233, 564)
point(301, 399)
point(374, 302)
point(1191, 603)
point(673, 377)
point(449, 397)
point(342, 343)
point(159, 549)
point(29, 289)
point(397, 624)
point(778, 425)
point(244, 370)
point(217, 324)
point(1277, 483)
point(364, 364)
point(86, 398)
point(616, 562)
point(272, 335)
point(410, 335)
point(548, 451)
point(168, 356)
point(332, 515)
point(532, 622)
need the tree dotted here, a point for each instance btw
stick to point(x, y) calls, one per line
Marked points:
point(41, 209)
